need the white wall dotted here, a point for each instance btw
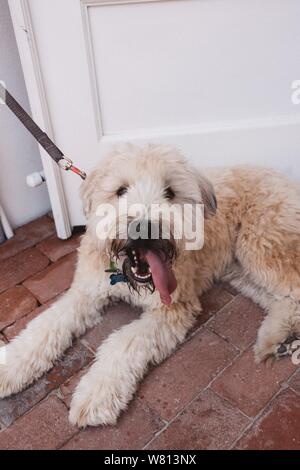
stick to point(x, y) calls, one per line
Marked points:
point(19, 153)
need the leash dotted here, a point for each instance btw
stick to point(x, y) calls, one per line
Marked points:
point(42, 138)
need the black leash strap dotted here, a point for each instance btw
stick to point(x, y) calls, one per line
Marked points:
point(57, 155)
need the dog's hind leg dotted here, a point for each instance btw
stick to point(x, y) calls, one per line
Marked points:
point(268, 254)
point(123, 359)
point(46, 337)
point(279, 329)
point(281, 325)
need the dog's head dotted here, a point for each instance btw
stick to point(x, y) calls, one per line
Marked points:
point(133, 203)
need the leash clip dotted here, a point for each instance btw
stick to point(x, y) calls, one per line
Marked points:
point(67, 164)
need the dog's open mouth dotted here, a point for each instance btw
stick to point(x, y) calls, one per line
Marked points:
point(149, 267)
point(139, 266)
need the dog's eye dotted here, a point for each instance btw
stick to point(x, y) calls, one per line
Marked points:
point(169, 193)
point(121, 191)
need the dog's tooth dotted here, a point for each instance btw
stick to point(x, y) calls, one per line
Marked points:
point(133, 252)
point(141, 277)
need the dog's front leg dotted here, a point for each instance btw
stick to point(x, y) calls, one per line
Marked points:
point(122, 360)
point(44, 340)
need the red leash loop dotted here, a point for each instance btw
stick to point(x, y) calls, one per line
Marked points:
point(79, 172)
point(67, 164)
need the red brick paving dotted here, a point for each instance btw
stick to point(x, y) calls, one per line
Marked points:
point(27, 236)
point(54, 248)
point(13, 330)
point(208, 395)
point(118, 315)
point(294, 382)
point(170, 386)
point(54, 280)
point(215, 299)
point(238, 322)
point(16, 269)
point(15, 303)
point(250, 386)
point(46, 426)
point(212, 302)
point(67, 388)
point(135, 428)
point(15, 406)
point(278, 428)
point(208, 423)
point(230, 288)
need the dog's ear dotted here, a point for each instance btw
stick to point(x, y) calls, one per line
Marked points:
point(208, 196)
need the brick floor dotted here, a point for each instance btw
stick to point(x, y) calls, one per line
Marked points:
point(238, 322)
point(172, 385)
point(15, 303)
point(278, 428)
point(53, 280)
point(13, 407)
point(250, 386)
point(118, 315)
point(208, 395)
point(207, 423)
point(55, 248)
point(294, 382)
point(16, 269)
point(14, 329)
point(212, 302)
point(135, 428)
point(27, 236)
point(46, 426)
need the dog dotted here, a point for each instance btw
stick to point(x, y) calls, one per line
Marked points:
point(251, 239)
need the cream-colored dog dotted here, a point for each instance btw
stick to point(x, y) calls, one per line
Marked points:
point(252, 239)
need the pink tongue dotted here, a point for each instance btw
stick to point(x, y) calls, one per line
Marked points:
point(162, 275)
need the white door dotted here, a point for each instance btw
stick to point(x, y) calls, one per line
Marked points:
point(213, 77)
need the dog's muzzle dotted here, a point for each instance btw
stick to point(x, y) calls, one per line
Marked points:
point(148, 261)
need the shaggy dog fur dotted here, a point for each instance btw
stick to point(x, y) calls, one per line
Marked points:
point(251, 239)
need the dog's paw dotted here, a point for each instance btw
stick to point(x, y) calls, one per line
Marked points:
point(288, 347)
point(90, 413)
point(6, 385)
point(264, 349)
point(94, 404)
point(9, 383)
point(15, 372)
